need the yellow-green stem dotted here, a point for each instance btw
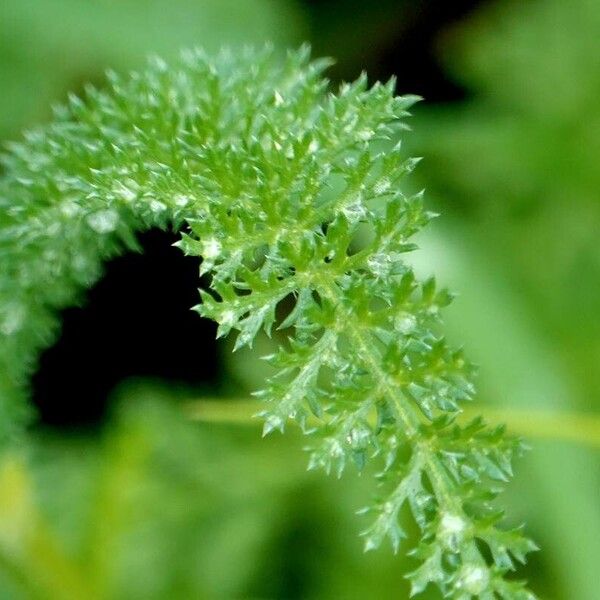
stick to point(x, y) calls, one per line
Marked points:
point(580, 428)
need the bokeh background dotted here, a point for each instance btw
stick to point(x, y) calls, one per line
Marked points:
point(121, 493)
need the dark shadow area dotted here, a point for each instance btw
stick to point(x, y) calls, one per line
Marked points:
point(414, 56)
point(136, 322)
point(389, 37)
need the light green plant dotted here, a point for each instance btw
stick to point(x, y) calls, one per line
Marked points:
point(292, 196)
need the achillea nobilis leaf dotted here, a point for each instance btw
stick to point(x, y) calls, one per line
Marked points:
point(287, 191)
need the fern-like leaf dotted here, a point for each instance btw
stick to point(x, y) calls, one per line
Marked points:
point(292, 195)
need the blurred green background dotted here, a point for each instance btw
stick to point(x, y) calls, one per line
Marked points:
point(136, 499)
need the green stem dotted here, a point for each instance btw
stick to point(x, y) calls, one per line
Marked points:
point(580, 428)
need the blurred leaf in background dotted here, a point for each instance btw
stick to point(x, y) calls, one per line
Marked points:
point(515, 170)
point(163, 507)
point(51, 47)
point(520, 161)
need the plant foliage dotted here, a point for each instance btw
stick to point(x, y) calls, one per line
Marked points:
point(292, 196)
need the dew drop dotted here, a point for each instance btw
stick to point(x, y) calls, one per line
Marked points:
point(211, 248)
point(181, 200)
point(70, 208)
point(125, 193)
point(405, 323)
point(382, 186)
point(452, 524)
point(474, 579)
point(365, 134)
point(157, 206)
point(13, 320)
point(103, 221)
point(227, 318)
